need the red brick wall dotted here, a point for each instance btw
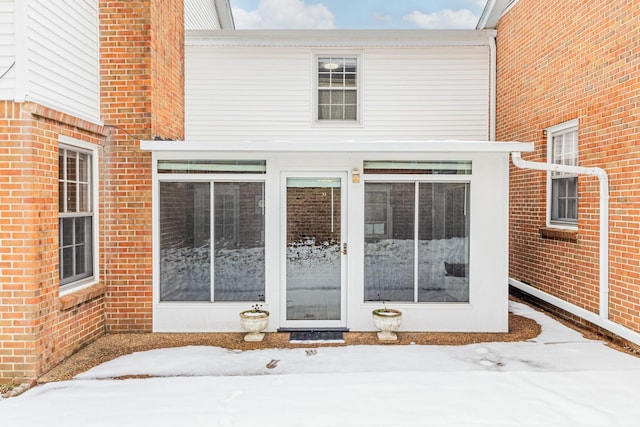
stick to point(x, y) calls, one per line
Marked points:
point(142, 98)
point(37, 327)
point(559, 61)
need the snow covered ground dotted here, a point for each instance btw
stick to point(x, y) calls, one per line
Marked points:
point(557, 379)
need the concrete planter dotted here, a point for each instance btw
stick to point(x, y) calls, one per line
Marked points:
point(254, 322)
point(388, 320)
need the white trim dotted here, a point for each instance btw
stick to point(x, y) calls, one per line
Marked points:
point(257, 149)
point(339, 38)
point(225, 16)
point(589, 316)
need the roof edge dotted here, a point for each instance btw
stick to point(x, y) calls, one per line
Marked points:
point(225, 15)
point(332, 38)
point(493, 11)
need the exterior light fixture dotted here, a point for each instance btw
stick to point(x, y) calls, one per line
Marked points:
point(355, 175)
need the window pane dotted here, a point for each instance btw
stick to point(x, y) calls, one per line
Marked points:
point(443, 247)
point(337, 97)
point(67, 231)
point(80, 236)
point(323, 79)
point(239, 241)
point(324, 97)
point(81, 260)
point(61, 196)
point(83, 167)
point(324, 112)
point(185, 260)
point(350, 80)
point(350, 65)
point(67, 263)
point(72, 197)
point(71, 166)
point(212, 166)
point(61, 164)
point(350, 97)
point(389, 260)
point(337, 80)
point(337, 112)
point(83, 198)
point(350, 112)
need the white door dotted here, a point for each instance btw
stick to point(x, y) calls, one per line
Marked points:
point(314, 250)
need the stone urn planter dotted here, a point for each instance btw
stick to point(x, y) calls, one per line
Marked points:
point(254, 321)
point(388, 321)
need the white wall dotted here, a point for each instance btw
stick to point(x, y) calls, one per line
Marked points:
point(56, 49)
point(262, 93)
point(7, 48)
point(200, 15)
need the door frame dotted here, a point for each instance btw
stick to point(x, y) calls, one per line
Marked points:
point(313, 324)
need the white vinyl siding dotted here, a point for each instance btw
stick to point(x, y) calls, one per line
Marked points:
point(7, 48)
point(62, 56)
point(266, 93)
point(200, 15)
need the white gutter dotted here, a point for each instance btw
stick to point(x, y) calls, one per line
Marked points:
point(602, 319)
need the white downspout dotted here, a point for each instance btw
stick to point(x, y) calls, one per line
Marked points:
point(492, 89)
point(604, 217)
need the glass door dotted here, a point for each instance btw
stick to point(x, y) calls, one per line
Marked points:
point(315, 250)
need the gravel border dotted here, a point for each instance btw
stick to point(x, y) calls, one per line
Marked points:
point(112, 346)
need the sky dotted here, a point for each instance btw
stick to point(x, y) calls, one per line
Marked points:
point(558, 379)
point(357, 14)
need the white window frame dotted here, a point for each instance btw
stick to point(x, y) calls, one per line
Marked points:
point(79, 146)
point(316, 87)
point(554, 131)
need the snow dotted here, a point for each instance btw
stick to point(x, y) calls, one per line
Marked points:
point(557, 379)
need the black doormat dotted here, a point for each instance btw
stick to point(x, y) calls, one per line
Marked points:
point(316, 336)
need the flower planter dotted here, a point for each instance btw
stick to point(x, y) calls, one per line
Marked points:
point(254, 322)
point(388, 321)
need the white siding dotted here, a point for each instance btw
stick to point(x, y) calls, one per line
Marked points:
point(266, 93)
point(7, 48)
point(200, 15)
point(62, 54)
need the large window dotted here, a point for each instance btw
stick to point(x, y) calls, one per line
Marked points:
point(416, 233)
point(211, 241)
point(563, 187)
point(337, 88)
point(75, 206)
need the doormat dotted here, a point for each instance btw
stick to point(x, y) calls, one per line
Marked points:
point(316, 336)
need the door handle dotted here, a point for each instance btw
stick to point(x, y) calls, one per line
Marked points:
point(344, 248)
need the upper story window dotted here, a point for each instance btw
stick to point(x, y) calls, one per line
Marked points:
point(562, 146)
point(76, 193)
point(337, 88)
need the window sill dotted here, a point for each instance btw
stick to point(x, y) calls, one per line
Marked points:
point(81, 296)
point(564, 235)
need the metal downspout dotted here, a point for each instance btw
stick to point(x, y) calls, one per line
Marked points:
point(493, 89)
point(604, 217)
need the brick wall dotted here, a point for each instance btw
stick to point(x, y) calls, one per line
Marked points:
point(37, 327)
point(559, 61)
point(142, 98)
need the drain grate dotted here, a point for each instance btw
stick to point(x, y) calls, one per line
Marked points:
point(316, 336)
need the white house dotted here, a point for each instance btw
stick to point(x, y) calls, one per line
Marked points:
point(325, 173)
